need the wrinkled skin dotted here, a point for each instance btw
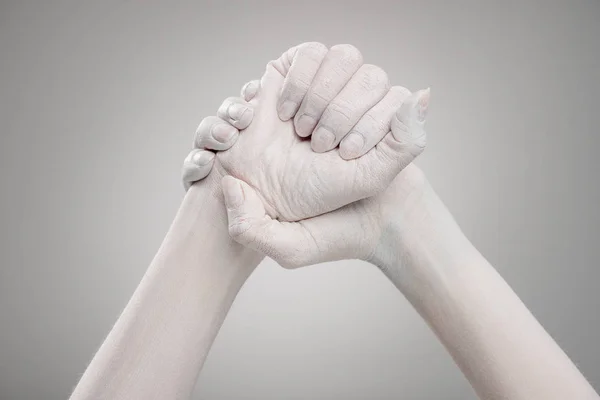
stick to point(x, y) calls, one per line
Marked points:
point(294, 182)
point(359, 230)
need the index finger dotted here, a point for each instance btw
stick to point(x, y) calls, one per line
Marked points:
point(298, 66)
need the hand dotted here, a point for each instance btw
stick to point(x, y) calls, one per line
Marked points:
point(293, 181)
point(334, 235)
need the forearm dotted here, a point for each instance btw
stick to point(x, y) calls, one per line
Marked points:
point(160, 341)
point(497, 343)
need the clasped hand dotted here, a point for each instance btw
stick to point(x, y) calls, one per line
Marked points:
point(314, 164)
point(309, 157)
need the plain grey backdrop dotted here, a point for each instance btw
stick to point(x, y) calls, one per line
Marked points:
point(98, 105)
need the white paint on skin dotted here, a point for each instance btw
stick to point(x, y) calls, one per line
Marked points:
point(411, 236)
point(336, 70)
point(363, 208)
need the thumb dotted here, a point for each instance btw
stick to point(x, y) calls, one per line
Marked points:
point(408, 124)
point(288, 243)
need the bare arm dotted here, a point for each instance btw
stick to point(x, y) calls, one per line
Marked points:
point(160, 341)
point(410, 235)
point(497, 343)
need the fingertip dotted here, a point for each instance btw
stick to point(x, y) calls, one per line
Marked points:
point(243, 118)
point(192, 174)
point(250, 89)
point(196, 166)
point(408, 125)
point(236, 112)
point(304, 124)
point(200, 157)
point(225, 134)
point(322, 140)
point(352, 146)
point(415, 107)
point(287, 109)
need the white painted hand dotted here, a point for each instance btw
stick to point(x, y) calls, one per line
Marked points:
point(357, 230)
point(354, 231)
point(217, 134)
point(293, 181)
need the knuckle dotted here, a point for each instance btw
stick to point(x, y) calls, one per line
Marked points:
point(298, 82)
point(313, 48)
point(249, 90)
point(200, 157)
point(204, 125)
point(349, 54)
point(205, 129)
point(227, 103)
point(400, 91)
point(337, 114)
point(419, 144)
point(317, 99)
point(370, 125)
point(201, 131)
point(222, 111)
point(237, 228)
point(374, 77)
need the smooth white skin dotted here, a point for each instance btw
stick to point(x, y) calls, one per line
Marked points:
point(160, 341)
point(410, 235)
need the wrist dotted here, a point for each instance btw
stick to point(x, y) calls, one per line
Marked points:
point(421, 242)
point(201, 225)
point(169, 324)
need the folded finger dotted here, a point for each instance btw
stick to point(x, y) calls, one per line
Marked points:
point(237, 112)
point(373, 125)
point(196, 166)
point(214, 133)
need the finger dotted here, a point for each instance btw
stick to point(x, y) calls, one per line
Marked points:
point(196, 166)
point(365, 89)
point(213, 133)
point(298, 65)
point(237, 112)
point(408, 124)
point(285, 242)
point(338, 67)
point(250, 90)
point(328, 237)
point(399, 147)
point(374, 125)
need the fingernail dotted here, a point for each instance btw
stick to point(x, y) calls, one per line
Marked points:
point(223, 133)
point(249, 90)
point(305, 125)
point(202, 158)
point(233, 193)
point(422, 104)
point(352, 145)
point(322, 140)
point(287, 110)
point(236, 111)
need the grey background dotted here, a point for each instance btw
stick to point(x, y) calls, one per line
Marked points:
point(98, 105)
